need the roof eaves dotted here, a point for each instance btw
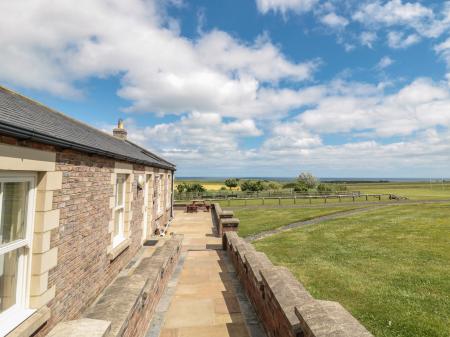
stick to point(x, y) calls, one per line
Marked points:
point(21, 133)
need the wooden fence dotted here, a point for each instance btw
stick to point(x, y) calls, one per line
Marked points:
point(298, 199)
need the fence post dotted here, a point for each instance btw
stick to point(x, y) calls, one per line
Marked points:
point(379, 197)
point(353, 198)
point(263, 200)
point(339, 198)
point(279, 201)
point(325, 200)
point(310, 200)
point(295, 199)
point(228, 202)
point(366, 197)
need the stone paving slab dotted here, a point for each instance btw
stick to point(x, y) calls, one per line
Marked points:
point(207, 299)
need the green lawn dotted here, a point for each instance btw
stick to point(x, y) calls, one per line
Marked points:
point(390, 268)
point(253, 221)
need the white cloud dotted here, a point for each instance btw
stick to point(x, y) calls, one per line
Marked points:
point(392, 12)
point(368, 38)
point(333, 20)
point(421, 105)
point(284, 6)
point(224, 89)
point(250, 60)
point(405, 16)
point(385, 62)
point(443, 49)
point(160, 70)
point(399, 40)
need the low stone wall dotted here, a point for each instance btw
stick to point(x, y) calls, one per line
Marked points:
point(284, 306)
point(130, 301)
point(224, 220)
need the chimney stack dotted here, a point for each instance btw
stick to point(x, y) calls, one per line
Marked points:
point(120, 132)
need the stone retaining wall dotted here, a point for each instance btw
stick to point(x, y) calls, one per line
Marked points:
point(224, 221)
point(130, 301)
point(284, 306)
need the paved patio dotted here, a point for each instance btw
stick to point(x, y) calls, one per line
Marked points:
point(207, 300)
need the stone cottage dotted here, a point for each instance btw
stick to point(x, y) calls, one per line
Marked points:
point(76, 205)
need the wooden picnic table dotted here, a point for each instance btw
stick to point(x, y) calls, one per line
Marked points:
point(196, 204)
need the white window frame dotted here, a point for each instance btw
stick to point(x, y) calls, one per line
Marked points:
point(120, 236)
point(147, 209)
point(161, 195)
point(168, 183)
point(15, 315)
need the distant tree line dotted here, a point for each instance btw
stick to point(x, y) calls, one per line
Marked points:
point(305, 182)
point(189, 188)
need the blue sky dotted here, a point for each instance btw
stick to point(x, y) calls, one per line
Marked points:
point(341, 88)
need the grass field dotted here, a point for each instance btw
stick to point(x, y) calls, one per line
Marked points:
point(390, 268)
point(413, 191)
point(253, 221)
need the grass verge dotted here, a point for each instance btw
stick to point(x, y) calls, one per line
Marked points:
point(390, 268)
point(253, 221)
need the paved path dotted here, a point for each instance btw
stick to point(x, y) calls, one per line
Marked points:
point(204, 298)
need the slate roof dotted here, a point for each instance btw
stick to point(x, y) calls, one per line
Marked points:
point(24, 118)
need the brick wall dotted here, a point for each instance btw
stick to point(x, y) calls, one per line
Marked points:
point(84, 268)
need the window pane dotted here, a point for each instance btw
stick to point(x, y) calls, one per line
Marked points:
point(8, 279)
point(118, 218)
point(120, 185)
point(14, 211)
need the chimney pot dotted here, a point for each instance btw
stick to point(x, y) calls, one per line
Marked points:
point(120, 131)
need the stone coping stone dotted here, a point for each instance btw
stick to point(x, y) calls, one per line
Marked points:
point(226, 214)
point(286, 294)
point(329, 319)
point(217, 209)
point(118, 300)
point(117, 303)
point(220, 213)
point(81, 328)
point(229, 222)
point(256, 261)
point(231, 235)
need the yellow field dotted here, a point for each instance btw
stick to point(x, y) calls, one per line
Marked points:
point(209, 185)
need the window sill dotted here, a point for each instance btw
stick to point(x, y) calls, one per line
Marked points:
point(31, 324)
point(116, 251)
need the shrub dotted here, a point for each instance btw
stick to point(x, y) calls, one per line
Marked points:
point(324, 188)
point(300, 187)
point(252, 185)
point(181, 188)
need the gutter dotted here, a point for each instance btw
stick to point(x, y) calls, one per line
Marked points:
point(25, 134)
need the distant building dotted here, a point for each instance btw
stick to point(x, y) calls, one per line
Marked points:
point(76, 204)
